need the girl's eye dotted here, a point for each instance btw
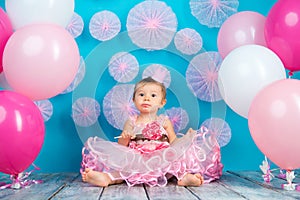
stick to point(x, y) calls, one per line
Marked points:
point(153, 95)
point(141, 94)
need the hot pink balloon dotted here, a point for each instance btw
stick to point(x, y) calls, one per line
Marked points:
point(6, 31)
point(40, 60)
point(21, 132)
point(274, 122)
point(282, 30)
point(239, 29)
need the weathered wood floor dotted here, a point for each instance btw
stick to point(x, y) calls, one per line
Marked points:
point(232, 185)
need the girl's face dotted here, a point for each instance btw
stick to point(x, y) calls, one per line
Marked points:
point(149, 98)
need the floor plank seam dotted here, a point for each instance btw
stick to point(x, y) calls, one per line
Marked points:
point(256, 182)
point(57, 191)
point(75, 177)
point(146, 192)
point(193, 193)
point(230, 189)
point(235, 184)
point(101, 193)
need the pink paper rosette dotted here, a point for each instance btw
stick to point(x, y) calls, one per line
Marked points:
point(151, 25)
point(202, 76)
point(188, 41)
point(213, 13)
point(118, 105)
point(104, 25)
point(46, 108)
point(75, 26)
point(178, 117)
point(220, 129)
point(158, 73)
point(123, 67)
point(78, 77)
point(85, 111)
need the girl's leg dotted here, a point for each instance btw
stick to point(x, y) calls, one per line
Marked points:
point(98, 178)
point(191, 180)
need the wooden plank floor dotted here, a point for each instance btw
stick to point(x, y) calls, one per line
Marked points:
point(232, 185)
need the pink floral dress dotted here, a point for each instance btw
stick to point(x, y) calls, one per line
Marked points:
point(149, 136)
point(150, 159)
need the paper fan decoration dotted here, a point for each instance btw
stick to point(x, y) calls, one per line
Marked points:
point(85, 111)
point(46, 108)
point(75, 26)
point(78, 77)
point(158, 73)
point(151, 25)
point(213, 13)
point(178, 117)
point(118, 105)
point(202, 76)
point(123, 67)
point(104, 25)
point(220, 129)
point(188, 41)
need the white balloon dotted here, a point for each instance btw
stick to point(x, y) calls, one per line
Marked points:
point(24, 12)
point(244, 72)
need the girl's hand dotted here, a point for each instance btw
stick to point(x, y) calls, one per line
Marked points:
point(125, 138)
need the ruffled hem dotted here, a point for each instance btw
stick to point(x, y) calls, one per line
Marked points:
point(195, 152)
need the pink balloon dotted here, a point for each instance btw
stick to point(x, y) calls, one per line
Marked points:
point(282, 30)
point(40, 60)
point(274, 122)
point(242, 28)
point(21, 132)
point(6, 31)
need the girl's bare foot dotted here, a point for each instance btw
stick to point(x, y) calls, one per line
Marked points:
point(191, 180)
point(96, 178)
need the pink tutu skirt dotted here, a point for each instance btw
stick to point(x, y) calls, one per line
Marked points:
point(194, 152)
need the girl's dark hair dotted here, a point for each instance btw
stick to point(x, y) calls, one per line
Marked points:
point(150, 80)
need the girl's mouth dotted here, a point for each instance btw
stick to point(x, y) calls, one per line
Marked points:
point(146, 105)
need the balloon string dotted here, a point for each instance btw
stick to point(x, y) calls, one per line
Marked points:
point(21, 180)
point(289, 176)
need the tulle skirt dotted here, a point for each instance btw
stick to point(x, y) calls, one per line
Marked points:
point(194, 152)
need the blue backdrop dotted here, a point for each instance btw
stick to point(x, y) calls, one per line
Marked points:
point(63, 141)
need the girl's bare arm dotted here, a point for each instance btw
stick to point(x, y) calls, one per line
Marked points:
point(168, 126)
point(126, 134)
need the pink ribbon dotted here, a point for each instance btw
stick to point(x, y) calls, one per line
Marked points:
point(268, 176)
point(20, 180)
